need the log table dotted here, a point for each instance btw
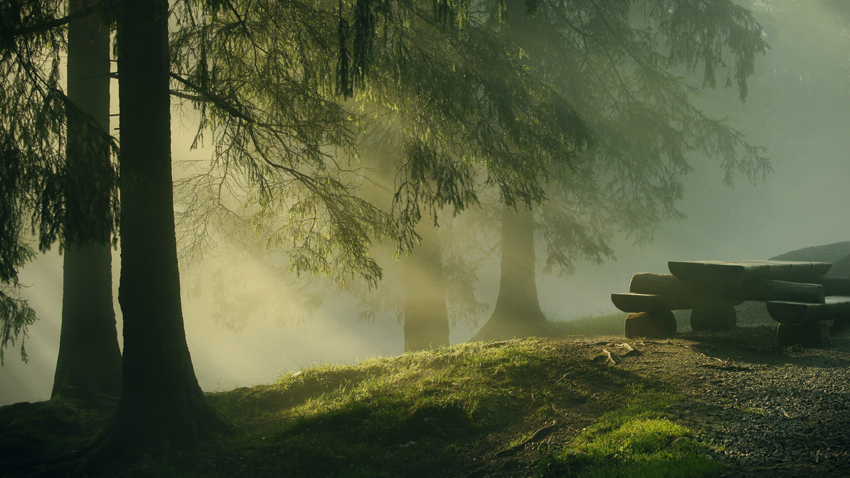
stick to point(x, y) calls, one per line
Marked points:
point(796, 293)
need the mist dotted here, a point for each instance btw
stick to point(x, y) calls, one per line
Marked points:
point(798, 108)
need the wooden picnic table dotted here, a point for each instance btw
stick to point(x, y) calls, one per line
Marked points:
point(796, 293)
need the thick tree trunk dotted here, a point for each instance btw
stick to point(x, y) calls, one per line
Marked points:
point(426, 319)
point(89, 359)
point(162, 406)
point(517, 312)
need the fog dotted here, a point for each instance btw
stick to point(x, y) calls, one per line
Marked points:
point(798, 108)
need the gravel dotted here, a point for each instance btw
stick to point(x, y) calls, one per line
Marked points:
point(768, 411)
point(796, 419)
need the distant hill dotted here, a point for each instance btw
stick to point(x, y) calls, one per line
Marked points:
point(837, 253)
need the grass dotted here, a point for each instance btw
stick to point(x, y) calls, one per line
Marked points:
point(387, 417)
point(635, 441)
point(446, 412)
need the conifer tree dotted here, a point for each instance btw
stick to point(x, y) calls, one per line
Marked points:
point(89, 360)
point(615, 61)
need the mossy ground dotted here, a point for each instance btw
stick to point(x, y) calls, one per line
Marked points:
point(538, 406)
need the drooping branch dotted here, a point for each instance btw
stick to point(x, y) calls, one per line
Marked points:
point(13, 33)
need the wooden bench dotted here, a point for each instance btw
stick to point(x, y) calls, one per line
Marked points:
point(796, 293)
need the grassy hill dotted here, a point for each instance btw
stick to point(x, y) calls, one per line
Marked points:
point(536, 407)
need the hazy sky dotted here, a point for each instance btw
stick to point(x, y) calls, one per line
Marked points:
point(798, 108)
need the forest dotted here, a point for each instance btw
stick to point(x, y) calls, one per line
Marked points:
point(445, 177)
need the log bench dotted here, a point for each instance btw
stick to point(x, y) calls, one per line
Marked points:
point(796, 293)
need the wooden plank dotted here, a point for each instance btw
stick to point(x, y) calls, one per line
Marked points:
point(633, 302)
point(668, 285)
point(747, 271)
point(835, 307)
point(773, 290)
point(765, 290)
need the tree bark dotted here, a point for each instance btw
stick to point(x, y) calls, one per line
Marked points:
point(162, 406)
point(89, 360)
point(426, 318)
point(517, 312)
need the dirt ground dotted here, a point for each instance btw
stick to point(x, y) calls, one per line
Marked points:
point(767, 411)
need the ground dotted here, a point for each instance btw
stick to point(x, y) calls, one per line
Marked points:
point(502, 410)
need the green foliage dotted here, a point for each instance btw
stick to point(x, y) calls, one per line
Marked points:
point(617, 62)
point(31, 129)
point(15, 316)
point(261, 76)
point(13, 253)
point(34, 176)
point(261, 79)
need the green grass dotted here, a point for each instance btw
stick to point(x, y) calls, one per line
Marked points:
point(635, 441)
point(388, 416)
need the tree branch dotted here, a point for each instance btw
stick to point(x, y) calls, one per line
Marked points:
point(45, 26)
point(212, 97)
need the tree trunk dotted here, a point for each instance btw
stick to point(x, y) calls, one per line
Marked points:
point(89, 359)
point(426, 319)
point(517, 312)
point(162, 406)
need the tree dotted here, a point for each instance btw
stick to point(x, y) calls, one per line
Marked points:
point(34, 136)
point(161, 405)
point(33, 115)
point(264, 106)
point(89, 358)
point(615, 62)
point(517, 312)
point(466, 113)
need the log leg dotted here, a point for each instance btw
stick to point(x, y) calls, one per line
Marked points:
point(654, 325)
point(840, 325)
point(812, 334)
point(716, 317)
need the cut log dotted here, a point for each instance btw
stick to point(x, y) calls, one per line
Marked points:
point(717, 317)
point(632, 302)
point(836, 307)
point(714, 272)
point(669, 286)
point(653, 325)
point(773, 290)
point(812, 334)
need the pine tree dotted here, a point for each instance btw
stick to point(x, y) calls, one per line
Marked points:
point(616, 61)
point(89, 360)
